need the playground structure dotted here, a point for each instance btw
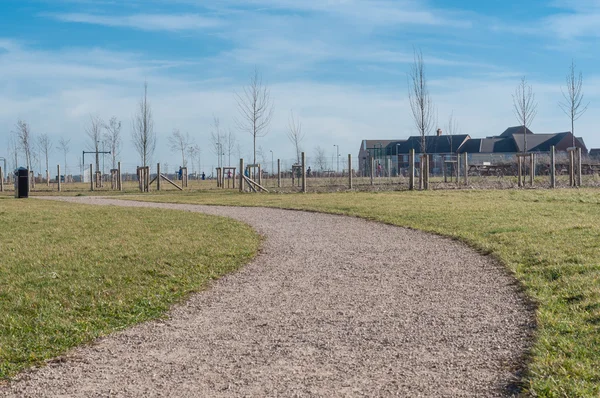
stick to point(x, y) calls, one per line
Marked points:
point(222, 172)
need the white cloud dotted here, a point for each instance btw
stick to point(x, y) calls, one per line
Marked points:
point(149, 22)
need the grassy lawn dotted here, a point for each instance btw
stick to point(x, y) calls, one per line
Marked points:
point(71, 273)
point(550, 240)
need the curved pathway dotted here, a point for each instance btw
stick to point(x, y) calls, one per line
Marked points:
point(332, 306)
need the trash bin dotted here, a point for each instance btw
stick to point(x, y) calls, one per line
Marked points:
point(21, 183)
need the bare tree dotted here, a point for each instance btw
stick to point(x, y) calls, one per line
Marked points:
point(261, 155)
point(143, 135)
point(525, 107)
point(195, 158)
point(94, 133)
point(573, 98)
point(13, 147)
point(295, 134)
point(320, 158)
point(419, 98)
point(113, 136)
point(25, 141)
point(45, 145)
point(64, 146)
point(230, 145)
point(452, 129)
point(181, 143)
point(217, 140)
point(255, 108)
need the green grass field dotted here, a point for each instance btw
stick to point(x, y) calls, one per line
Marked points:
point(550, 240)
point(71, 273)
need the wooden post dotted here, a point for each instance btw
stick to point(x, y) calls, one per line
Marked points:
point(571, 168)
point(119, 181)
point(303, 172)
point(552, 167)
point(420, 172)
point(426, 173)
point(372, 170)
point(519, 170)
point(158, 176)
point(350, 171)
point(444, 166)
point(259, 175)
point(466, 171)
point(411, 170)
point(531, 168)
point(278, 173)
point(241, 175)
point(579, 167)
point(58, 175)
point(147, 180)
point(91, 177)
point(1, 180)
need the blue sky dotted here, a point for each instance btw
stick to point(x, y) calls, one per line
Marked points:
point(340, 65)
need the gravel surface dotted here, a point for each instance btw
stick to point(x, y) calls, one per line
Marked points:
point(332, 306)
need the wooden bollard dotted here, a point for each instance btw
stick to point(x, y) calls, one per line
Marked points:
point(571, 169)
point(241, 175)
point(520, 170)
point(91, 177)
point(119, 178)
point(304, 187)
point(552, 167)
point(278, 173)
point(466, 171)
point(158, 176)
point(1, 180)
point(425, 172)
point(531, 169)
point(372, 171)
point(579, 167)
point(58, 175)
point(411, 170)
point(349, 171)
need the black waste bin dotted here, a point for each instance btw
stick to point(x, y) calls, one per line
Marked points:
point(21, 183)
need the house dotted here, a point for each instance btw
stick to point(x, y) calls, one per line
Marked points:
point(437, 146)
point(378, 150)
point(594, 153)
point(491, 149)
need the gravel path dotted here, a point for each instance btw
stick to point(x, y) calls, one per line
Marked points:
point(332, 306)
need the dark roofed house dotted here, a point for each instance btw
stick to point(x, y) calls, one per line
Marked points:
point(376, 149)
point(595, 153)
point(515, 130)
point(435, 146)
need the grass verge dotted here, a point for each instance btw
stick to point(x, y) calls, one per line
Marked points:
point(550, 240)
point(69, 274)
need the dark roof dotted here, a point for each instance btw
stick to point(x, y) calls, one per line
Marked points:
point(595, 152)
point(539, 142)
point(376, 143)
point(471, 146)
point(514, 130)
point(391, 147)
point(434, 143)
point(489, 145)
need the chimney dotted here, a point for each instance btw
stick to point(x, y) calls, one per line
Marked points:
point(439, 132)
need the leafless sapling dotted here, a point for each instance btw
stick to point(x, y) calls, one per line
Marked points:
point(421, 104)
point(525, 107)
point(94, 132)
point(295, 134)
point(255, 109)
point(143, 135)
point(45, 145)
point(572, 105)
point(113, 136)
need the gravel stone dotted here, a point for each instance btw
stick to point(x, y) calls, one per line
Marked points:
point(332, 306)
